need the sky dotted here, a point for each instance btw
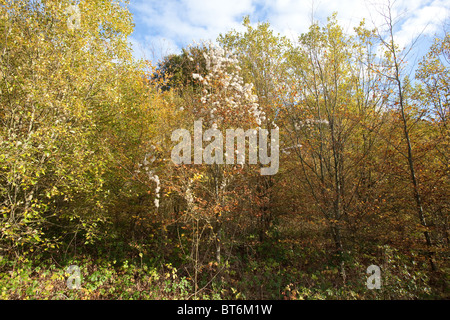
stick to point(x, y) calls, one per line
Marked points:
point(165, 27)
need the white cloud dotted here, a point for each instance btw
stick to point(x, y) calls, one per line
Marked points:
point(153, 48)
point(184, 21)
point(426, 20)
point(217, 15)
point(289, 17)
point(181, 22)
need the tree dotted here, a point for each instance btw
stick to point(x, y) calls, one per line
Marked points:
point(432, 94)
point(331, 115)
point(175, 71)
point(62, 86)
point(262, 57)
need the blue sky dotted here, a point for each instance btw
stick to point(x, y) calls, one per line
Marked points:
point(164, 27)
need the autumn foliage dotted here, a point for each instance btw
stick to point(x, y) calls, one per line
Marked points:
point(86, 171)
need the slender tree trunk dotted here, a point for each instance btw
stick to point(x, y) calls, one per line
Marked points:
point(396, 78)
point(218, 246)
point(415, 184)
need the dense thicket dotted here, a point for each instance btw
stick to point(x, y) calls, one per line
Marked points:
point(86, 175)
